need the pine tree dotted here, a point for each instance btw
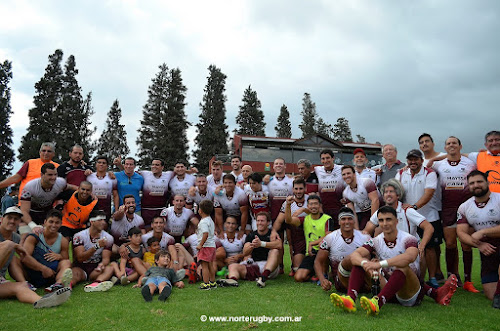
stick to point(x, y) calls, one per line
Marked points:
point(360, 139)
point(86, 130)
point(283, 126)
point(113, 141)
point(48, 94)
point(250, 117)
point(164, 124)
point(308, 125)
point(6, 152)
point(341, 130)
point(321, 127)
point(212, 129)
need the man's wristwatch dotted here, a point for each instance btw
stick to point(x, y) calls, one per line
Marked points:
point(176, 262)
point(415, 207)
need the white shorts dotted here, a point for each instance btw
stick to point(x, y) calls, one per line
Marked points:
point(411, 301)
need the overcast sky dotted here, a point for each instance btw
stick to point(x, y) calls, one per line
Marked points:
point(394, 69)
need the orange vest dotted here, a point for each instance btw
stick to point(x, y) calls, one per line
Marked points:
point(34, 172)
point(491, 163)
point(75, 215)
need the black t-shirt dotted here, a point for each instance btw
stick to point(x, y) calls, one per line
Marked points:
point(312, 178)
point(259, 253)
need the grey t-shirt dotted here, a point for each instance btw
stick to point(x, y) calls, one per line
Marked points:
point(388, 173)
point(162, 272)
point(15, 238)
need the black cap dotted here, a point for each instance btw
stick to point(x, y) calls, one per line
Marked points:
point(415, 153)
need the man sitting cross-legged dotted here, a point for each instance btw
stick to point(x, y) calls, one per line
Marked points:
point(398, 267)
point(263, 253)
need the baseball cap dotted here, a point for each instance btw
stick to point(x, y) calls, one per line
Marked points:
point(13, 210)
point(414, 153)
point(358, 150)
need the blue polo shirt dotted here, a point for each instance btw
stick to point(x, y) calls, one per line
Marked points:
point(129, 185)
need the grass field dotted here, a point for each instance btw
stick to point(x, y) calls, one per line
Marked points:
point(123, 308)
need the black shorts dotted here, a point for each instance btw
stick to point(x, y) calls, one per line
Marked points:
point(437, 236)
point(68, 232)
point(308, 263)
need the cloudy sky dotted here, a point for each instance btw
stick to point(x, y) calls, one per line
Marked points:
point(394, 69)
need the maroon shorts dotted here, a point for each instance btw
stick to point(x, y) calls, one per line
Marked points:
point(148, 215)
point(206, 254)
point(363, 218)
point(86, 267)
point(253, 271)
point(297, 240)
point(449, 216)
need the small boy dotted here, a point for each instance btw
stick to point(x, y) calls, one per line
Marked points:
point(159, 278)
point(154, 247)
point(206, 245)
point(130, 269)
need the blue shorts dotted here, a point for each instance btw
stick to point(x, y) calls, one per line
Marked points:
point(36, 278)
point(157, 281)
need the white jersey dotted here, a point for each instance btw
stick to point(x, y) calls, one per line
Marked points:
point(119, 228)
point(296, 206)
point(103, 187)
point(212, 183)
point(480, 215)
point(234, 246)
point(231, 205)
point(329, 180)
point(453, 180)
point(426, 161)
point(408, 221)
point(280, 187)
point(176, 223)
point(360, 198)
point(367, 173)
point(387, 249)
point(181, 187)
point(82, 238)
point(166, 240)
point(41, 199)
point(155, 189)
point(192, 241)
point(198, 197)
point(415, 187)
point(248, 190)
point(239, 178)
point(340, 247)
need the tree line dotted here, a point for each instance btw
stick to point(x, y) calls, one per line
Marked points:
point(62, 114)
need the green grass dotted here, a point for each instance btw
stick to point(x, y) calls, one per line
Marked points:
point(123, 308)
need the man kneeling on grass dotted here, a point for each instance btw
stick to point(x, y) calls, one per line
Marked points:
point(9, 242)
point(398, 267)
point(159, 278)
point(263, 256)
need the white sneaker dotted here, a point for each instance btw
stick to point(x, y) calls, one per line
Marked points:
point(53, 299)
point(98, 287)
point(67, 276)
point(260, 282)
point(180, 274)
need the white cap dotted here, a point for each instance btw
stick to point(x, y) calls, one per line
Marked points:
point(13, 210)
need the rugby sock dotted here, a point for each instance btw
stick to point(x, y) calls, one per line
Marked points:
point(451, 260)
point(265, 274)
point(356, 281)
point(429, 291)
point(467, 258)
point(233, 278)
point(395, 283)
point(497, 291)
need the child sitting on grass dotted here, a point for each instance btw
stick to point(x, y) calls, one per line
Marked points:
point(153, 248)
point(159, 278)
point(130, 269)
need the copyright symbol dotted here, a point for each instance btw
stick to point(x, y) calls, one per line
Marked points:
point(203, 318)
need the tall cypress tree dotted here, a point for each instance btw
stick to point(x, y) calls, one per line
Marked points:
point(283, 126)
point(308, 116)
point(48, 95)
point(250, 117)
point(212, 129)
point(6, 152)
point(113, 141)
point(341, 130)
point(164, 124)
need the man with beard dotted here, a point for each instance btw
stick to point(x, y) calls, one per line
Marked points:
point(125, 219)
point(182, 181)
point(330, 185)
point(77, 209)
point(232, 201)
point(199, 192)
point(453, 173)
point(236, 165)
point(482, 213)
point(177, 218)
point(360, 160)
point(103, 187)
point(74, 171)
point(360, 194)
